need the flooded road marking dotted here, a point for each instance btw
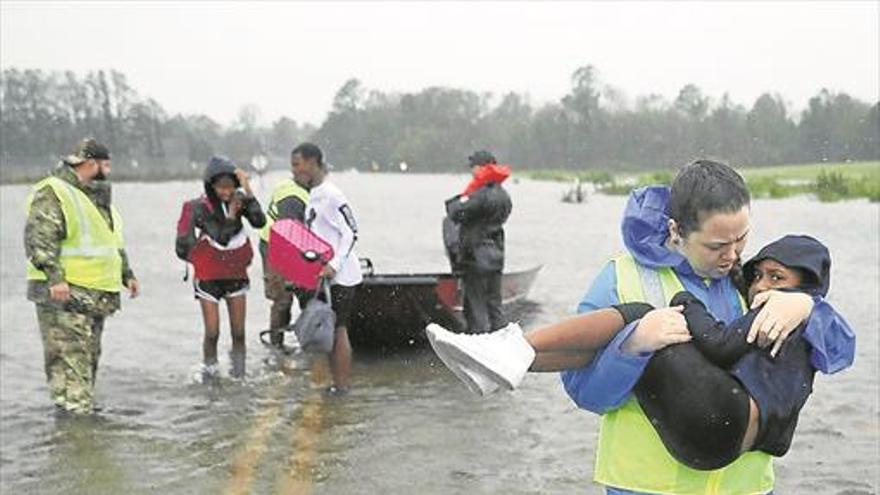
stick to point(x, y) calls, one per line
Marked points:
point(242, 468)
point(296, 476)
point(296, 479)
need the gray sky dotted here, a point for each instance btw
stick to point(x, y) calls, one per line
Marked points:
point(290, 58)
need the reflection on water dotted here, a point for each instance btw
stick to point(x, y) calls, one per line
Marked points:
point(83, 446)
point(407, 425)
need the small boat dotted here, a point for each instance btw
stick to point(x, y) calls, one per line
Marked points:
point(391, 310)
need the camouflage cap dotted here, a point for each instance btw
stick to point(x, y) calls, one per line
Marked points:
point(87, 149)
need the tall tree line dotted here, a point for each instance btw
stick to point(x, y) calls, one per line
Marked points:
point(593, 126)
point(45, 113)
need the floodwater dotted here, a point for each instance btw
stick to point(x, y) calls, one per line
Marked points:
point(408, 426)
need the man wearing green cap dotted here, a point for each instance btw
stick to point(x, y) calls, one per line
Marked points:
point(76, 267)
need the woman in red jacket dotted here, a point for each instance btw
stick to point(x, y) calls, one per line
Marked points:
point(211, 236)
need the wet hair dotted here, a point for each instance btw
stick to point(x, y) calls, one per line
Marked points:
point(309, 150)
point(705, 187)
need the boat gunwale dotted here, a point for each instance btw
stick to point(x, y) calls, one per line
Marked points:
point(429, 278)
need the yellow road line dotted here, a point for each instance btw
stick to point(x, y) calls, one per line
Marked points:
point(242, 469)
point(297, 478)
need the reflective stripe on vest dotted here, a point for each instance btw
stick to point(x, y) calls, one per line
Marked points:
point(90, 251)
point(283, 191)
point(630, 454)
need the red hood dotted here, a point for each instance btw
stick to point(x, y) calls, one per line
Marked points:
point(486, 174)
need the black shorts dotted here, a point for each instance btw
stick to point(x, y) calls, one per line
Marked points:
point(342, 301)
point(215, 290)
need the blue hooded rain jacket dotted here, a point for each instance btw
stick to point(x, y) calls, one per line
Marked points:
point(607, 381)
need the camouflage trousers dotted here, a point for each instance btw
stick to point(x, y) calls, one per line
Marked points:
point(281, 293)
point(71, 348)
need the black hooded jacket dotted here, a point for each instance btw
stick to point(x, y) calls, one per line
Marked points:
point(780, 385)
point(480, 219)
point(206, 215)
point(803, 252)
point(696, 394)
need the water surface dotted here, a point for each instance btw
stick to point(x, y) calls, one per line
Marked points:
point(408, 426)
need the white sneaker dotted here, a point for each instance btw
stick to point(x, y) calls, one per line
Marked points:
point(475, 381)
point(503, 356)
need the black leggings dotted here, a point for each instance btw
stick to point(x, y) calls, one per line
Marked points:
point(700, 411)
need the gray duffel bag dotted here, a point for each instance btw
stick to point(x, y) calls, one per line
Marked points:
point(316, 325)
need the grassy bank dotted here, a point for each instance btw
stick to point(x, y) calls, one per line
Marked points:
point(827, 181)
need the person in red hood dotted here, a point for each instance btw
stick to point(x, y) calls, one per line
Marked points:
point(479, 213)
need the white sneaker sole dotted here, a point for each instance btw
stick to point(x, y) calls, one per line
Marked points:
point(471, 358)
point(465, 373)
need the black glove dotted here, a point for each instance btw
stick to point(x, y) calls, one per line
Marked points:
point(632, 311)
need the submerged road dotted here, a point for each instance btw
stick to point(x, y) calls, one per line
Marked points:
point(408, 425)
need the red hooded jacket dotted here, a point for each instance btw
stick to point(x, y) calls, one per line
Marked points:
point(487, 173)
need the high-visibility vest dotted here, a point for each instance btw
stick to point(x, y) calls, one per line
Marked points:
point(90, 252)
point(630, 454)
point(284, 190)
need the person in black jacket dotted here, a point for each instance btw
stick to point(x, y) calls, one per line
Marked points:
point(480, 212)
point(211, 236)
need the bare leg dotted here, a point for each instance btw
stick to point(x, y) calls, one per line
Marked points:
point(502, 358)
point(560, 361)
point(211, 318)
point(752, 430)
point(572, 343)
point(586, 332)
point(340, 359)
point(237, 307)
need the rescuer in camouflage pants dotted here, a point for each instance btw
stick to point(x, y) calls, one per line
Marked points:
point(71, 317)
point(71, 347)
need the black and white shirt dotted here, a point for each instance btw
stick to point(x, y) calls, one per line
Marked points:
point(329, 215)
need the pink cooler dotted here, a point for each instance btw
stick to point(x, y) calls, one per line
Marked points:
point(297, 253)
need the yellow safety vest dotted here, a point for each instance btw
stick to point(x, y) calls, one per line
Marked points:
point(630, 454)
point(284, 190)
point(90, 252)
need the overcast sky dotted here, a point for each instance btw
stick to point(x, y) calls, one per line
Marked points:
point(290, 58)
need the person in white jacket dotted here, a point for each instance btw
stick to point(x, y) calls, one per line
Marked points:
point(329, 215)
